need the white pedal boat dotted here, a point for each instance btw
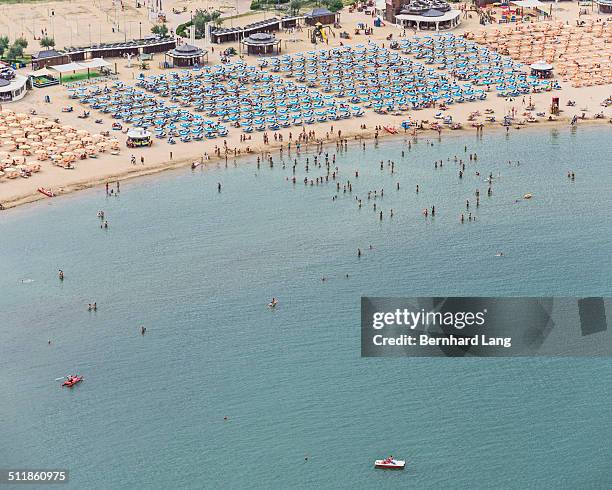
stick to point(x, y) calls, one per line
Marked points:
point(390, 464)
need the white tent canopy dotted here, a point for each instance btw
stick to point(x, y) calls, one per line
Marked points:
point(541, 66)
point(68, 67)
point(138, 133)
point(39, 73)
point(94, 63)
point(82, 65)
point(528, 4)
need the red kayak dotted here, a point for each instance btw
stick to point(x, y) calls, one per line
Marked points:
point(46, 192)
point(72, 380)
point(390, 129)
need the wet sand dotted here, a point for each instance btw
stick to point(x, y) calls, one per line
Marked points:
point(118, 168)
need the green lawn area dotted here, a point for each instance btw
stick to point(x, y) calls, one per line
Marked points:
point(76, 77)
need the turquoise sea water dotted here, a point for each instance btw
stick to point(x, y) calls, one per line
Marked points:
point(197, 268)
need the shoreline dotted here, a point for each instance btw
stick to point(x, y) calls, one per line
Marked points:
point(364, 135)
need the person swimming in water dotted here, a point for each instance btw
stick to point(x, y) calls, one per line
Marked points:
point(61, 275)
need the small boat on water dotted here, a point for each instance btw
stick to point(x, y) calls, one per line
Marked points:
point(72, 380)
point(528, 196)
point(46, 192)
point(390, 463)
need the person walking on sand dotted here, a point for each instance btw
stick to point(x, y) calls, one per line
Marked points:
point(141, 160)
point(133, 160)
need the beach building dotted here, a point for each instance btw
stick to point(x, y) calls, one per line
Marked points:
point(322, 16)
point(261, 43)
point(12, 85)
point(114, 50)
point(604, 6)
point(223, 35)
point(136, 47)
point(431, 20)
point(120, 50)
point(186, 55)
point(138, 137)
point(541, 69)
point(431, 15)
point(49, 57)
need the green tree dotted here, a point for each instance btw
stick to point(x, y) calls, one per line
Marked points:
point(216, 19)
point(14, 52)
point(21, 42)
point(160, 30)
point(295, 6)
point(47, 42)
point(4, 43)
point(202, 18)
point(333, 5)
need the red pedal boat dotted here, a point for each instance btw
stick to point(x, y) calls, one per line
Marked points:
point(46, 192)
point(390, 129)
point(72, 380)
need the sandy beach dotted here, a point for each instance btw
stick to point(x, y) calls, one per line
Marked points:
point(161, 156)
